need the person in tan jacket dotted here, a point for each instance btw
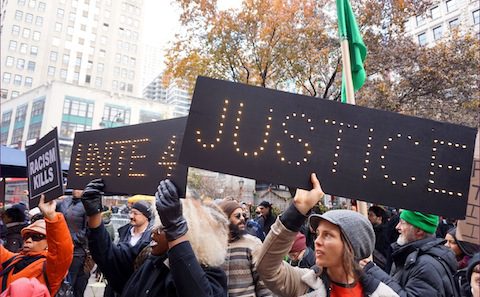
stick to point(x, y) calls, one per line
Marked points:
point(47, 251)
point(343, 239)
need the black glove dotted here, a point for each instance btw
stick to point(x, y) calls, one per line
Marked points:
point(92, 197)
point(169, 209)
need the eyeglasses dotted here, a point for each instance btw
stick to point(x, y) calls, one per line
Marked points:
point(239, 215)
point(34, 236)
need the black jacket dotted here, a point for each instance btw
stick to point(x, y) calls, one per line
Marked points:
point(74, 213)
point(182, 277)
point(419, 270)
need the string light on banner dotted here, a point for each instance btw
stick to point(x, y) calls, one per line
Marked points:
point(306, 145)
point(169, 156)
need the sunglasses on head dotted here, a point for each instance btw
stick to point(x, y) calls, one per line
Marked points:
point(239, 215)
point(34, 236)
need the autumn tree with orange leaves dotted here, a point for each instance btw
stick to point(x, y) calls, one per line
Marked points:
point(293, 45)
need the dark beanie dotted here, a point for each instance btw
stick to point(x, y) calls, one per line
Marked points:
point(144, 208)
point(229, 206)
point(265, 204)
point(467, 248)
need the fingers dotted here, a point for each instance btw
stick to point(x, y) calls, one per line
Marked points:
point(171, 188)
point(42, 199)
point(315, 182)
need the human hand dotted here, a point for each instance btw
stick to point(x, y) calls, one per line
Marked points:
point(169, 210)
point(305, 200)
point(47, 208)
point(365, 261)
point(92, 197)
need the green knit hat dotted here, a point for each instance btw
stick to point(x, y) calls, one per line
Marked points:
point(426, 222)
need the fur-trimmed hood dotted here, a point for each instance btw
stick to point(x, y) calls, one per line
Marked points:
point(207, 231)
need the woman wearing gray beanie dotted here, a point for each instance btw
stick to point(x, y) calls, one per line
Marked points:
point(343, 238)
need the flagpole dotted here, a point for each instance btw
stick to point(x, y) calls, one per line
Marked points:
point(347, 70)
point(361, 205)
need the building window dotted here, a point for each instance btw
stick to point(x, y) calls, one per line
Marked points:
point(15, 94)
point(133, 61)
point(88, 78)
point(116, 115)
point(102, 53)
point(37, 108)
point(29, 18)
point(21, 2)
point(68, 129)
point(9, 61)
point(78, 61)
point(41, 6)
point(4, 95)
point(476, 17)
point(12, 45)
point(453, 23)
point(26, 33)
point(72, 16)
point(437, 33)
point(420, 20)
point(6, 77)
point(23, 48)
point(435, 12)
point(65, 59)
point(6, 118)
point(98, 82)
point(451, 5)
point(36, 36)
point(78, 108)
point(100, 67)
point(60, 13)
point(32, 3)
point(33, 50)
point(39, 21)
point(15, 30)
point(28, 81)
point(17, 136)
point(34, 131)
point(63, 74)
point(17, 80)
point(51, 71)
point(53, 56)
point(18, 15)
point(58, 27)
point(20, 64)
point(21, 113)
point(31, 66)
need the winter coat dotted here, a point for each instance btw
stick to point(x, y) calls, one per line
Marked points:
point(13, 237)
point(286, 280)
point(124, 233)
point(179, 273)
point(57, 257)
point(418, 270)
point(74, 214)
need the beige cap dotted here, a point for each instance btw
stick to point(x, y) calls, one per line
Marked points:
point(38, 226)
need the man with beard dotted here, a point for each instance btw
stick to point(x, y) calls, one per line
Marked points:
point(423, 265)
point(138, 230)
point(239, 266)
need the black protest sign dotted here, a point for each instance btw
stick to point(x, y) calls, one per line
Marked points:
point(359, 153)
point(44, 169)
point(131, 159)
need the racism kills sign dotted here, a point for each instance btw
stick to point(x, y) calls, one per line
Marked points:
point(131, 159)
point(358, 153)
point(44, 169)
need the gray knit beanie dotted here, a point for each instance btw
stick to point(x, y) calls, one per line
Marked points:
point(355, 227)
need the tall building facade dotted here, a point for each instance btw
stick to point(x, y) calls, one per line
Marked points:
point(71, 108)
point(443, 17)
point(175, 95)
point(92, 43)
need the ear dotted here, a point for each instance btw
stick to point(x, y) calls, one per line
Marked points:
point(419, 233)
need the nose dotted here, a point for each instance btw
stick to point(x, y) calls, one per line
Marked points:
point(318, 241)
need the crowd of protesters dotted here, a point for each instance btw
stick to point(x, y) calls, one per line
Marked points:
point(187, 247)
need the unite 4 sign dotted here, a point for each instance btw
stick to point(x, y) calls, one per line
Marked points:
point(131, 159)
point(358, 153)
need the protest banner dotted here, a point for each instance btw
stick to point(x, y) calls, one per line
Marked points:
point(130, 159)
point(44, 169)
point(469, 229)
point(357, 152)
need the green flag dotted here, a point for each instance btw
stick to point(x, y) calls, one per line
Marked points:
point(348, 29)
